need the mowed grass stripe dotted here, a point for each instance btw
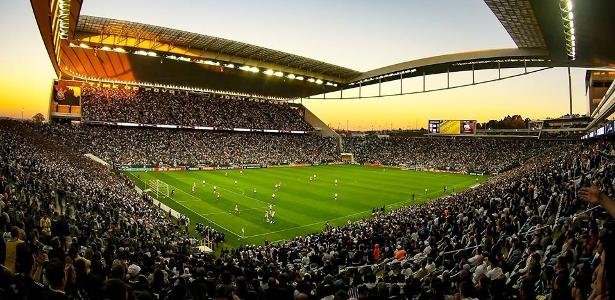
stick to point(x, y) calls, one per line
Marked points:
point(301, 206)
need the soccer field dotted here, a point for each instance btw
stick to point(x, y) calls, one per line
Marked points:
point(301, 206)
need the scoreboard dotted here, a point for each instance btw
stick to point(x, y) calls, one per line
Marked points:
point(452, 126)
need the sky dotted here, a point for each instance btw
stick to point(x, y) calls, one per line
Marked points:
point(358, 34)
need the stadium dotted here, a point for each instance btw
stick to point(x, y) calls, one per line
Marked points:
point(179, 165)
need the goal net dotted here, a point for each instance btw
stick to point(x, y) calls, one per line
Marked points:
point(157, 187)
point(347, 157)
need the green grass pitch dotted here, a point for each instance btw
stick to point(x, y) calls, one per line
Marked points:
point(301, 206)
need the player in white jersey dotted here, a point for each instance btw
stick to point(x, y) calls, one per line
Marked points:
point(254, 190)
point(217, 196)
point(335, 196)
point(203, 182)
point(193, 186)
point(311, 178)
point(335, 182)
point(215, 188)
point(273, 196)
point(235, 182)
point(236, 209)
point(270, 206)
point(241, 172)
point(272, 215)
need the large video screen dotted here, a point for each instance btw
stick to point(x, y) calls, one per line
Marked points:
point(452, 126)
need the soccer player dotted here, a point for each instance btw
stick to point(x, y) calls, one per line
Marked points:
point(240, 172)
point(335, 182)
point(235, 182)
point(215, 188)
point(217, 196)
point(243, 232)
point(273, 196)
point(272, 216)
point(193, 186)
point(203, 182)
point(267, 216)
point(335, 196)
point(172, 192)
point(425, 191)
point(225, 174)
point(311, 178)
point(236, 209)
point(254, 190)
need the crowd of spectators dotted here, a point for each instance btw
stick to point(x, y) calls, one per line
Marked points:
point(490, 155)
point(210, 234)
point(140, 147)
point(525, 233)
point(147, 106)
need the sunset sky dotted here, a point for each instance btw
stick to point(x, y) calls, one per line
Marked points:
point(362, 35)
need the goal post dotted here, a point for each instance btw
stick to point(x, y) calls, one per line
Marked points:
point(158, 187)
point(347, 158)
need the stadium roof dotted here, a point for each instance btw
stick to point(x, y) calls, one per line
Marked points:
point(547, 34)
point(211, 47)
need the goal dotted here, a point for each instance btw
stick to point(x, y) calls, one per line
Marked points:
point(347, 157)
point(157, 187)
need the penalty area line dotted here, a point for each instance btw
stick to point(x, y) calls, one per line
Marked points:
point(343, 217)
point(198, 214)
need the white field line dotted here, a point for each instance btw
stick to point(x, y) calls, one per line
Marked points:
point(233, 212)
point(361, 212)
point(286, 229)
point(243, 194)
point(198, 214)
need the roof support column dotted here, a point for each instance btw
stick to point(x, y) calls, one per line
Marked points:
point(401, 84)
point(570, 88)
point(473, 81)
point(359, 90)
point(423, 81)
